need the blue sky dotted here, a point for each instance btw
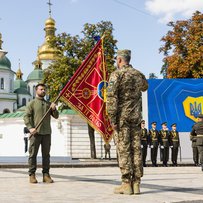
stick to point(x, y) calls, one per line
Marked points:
point(138, 25)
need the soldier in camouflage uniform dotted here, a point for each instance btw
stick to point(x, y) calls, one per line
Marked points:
point(197, 130)
point(124, 106)
point(144, 142)
point(165, 141)
point(175, 144)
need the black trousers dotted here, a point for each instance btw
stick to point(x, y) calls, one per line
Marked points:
point(26, 144)
point(154, 155)
point(195, 155)
point(165, 154)
point(174, 155)
point(144, 154)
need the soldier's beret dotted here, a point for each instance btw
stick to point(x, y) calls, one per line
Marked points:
point(153, 123)
point(125, 53)
point(200, 116)
point(164, 123)
point(174, 124)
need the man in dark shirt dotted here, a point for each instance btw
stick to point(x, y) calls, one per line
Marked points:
point(197, 130)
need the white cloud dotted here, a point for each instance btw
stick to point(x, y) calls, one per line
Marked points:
point(167, 10)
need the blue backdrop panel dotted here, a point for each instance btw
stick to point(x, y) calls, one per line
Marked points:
point(175, 101)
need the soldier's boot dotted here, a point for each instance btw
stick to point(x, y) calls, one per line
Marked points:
point(202, 167)
point(47, 178)
point(136, 188)
point(33, 179)
point(125, 188)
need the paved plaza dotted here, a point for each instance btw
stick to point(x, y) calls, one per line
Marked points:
point(96, 184)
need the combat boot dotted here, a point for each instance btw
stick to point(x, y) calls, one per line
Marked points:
point(33, 179)
point(136, 188)
point(202, 167)
point(125, 188)
point(47, 178)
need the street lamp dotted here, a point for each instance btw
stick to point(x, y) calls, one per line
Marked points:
point(2, 53)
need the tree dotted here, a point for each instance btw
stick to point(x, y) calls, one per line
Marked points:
point(183, 48)
point(72, 50)
point(152, 76)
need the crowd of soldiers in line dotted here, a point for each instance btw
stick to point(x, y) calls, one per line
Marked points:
point(163, 139)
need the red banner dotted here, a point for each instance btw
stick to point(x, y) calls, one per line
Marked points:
point(86, 90)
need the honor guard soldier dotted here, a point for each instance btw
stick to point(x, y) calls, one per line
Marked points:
point(144, 142)
point(197, 130)
point(195, 153)
point(154, 140)
point(165, 143)
point(175, 144)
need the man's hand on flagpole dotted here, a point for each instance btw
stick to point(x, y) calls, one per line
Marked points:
point(32, 131)
point(53, 106)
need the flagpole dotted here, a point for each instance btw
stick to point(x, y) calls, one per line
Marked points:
point(103, 67)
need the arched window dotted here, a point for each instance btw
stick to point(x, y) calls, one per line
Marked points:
point(2, 83)
point(24, 102)
point(34, 91)
point(11, 85)
point(6, 111)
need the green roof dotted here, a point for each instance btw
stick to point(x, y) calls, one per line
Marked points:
point(20, 114)
point(5, 63)
point(36, 74)
point(18, 83)
point(21, 91)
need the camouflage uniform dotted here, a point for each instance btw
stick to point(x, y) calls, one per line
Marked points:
point(124, 106)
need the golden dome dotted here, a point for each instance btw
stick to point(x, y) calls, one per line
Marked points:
point(50, 22)
point(46, 52)
point(19, 74)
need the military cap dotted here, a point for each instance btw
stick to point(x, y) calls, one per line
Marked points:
point(174, 124)
point(153, 123)
point(125, 53)
point(164, 123)
point(142, 121)
point(200, 116)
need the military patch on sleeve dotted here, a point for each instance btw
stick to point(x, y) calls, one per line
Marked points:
point(110, 86)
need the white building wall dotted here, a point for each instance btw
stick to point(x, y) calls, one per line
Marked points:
point(31, 85)
point(69, 138)
point(20, 98)
point(8, 101)
point(8, 76)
